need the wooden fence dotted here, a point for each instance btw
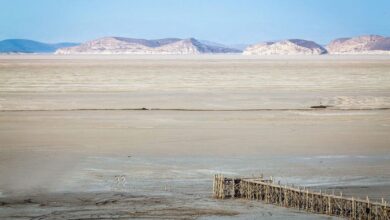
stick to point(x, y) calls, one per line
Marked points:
point(299, 198)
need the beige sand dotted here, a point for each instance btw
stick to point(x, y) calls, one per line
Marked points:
point(77, 140)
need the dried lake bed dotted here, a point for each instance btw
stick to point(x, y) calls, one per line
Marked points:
point(75, 142)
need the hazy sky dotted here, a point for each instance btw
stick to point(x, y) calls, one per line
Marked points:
point(225, 21)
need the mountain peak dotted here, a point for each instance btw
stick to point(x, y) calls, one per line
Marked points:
point(364, 44)
point(286, 47)
point(29, 46)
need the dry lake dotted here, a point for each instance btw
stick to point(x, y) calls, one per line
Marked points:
point(103, 137)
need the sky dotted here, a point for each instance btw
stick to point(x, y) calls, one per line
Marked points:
point(224, 21)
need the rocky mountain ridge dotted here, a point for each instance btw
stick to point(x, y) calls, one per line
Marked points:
point(366, 44)
point(286, 47)
point(120, 45)
point(30, 46)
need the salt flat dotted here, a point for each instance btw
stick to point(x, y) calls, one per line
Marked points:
point(71, 125)
point(210, 82)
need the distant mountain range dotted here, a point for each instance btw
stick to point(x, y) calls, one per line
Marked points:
point(120, 45)
point(30, 46)
point(367, 44)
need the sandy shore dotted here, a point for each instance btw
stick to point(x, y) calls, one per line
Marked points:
point(72, 147)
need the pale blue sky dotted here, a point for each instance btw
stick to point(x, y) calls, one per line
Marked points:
point(225, 21)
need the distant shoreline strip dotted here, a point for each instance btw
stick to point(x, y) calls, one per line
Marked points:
point(194, 110)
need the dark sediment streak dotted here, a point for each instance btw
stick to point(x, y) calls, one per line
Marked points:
point(196, 110)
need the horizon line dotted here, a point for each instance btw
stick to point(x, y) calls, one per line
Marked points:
point(237, 43)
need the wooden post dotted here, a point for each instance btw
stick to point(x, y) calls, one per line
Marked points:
point(368, 208)
point(312, 202)
point(234, 188)
point(280, 196)
point(307, 200)
point(285, 196)
point(353, 209)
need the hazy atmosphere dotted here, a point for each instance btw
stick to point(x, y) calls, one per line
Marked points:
point(228, 22)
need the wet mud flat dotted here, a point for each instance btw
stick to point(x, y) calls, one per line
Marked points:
point(118, 187)
point(102, 206)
